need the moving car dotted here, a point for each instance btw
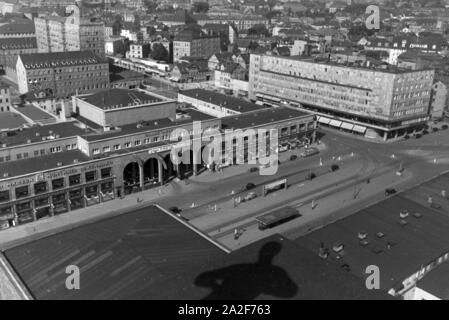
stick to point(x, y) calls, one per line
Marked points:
point(250, 196)
point(309, 152)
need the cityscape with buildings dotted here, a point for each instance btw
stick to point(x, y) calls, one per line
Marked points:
point(224, 150)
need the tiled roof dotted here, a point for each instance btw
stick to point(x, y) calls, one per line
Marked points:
point(59, 59)
point(18, 43)
point(14, 28)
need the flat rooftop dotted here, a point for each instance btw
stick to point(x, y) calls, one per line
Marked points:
point(215, 98)
point(132, 256)
point(386, 69)
point(191, 115)
point(399, 250)
point(43, 163)
point(147, 254)
point(37, 133)
point(261, 117)
point(119, 98)
point(34, 113)
point(11, 120)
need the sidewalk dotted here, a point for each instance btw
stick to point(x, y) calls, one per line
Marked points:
point(41, 228)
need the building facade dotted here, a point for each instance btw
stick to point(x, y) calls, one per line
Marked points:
point(61, 74)
point(193, 43)
point(72, 33)
point(80, 167)
point(371, 101)
point(5, 97)
point(10, 49)
point(139, 50)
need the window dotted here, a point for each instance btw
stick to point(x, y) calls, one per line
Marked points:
point(22, 192)
point(137, 143)
point(41, 202)
point(23, 206)
point(106, 149)
point(117, 147)
point(96, 151)
point(58, 197)
point(4, 196)
point(91, 191)
point(75, 179)
point(40, 187)
point(91, 176)
point(106, 173)
point(57, 183)
point(127, 144)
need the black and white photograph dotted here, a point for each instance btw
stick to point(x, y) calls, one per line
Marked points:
point(224, 156)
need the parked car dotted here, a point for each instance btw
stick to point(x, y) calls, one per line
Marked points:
point(283, 147)
point(406, 137)
point(418, 136)
point(254, 169)
point(444, 127)
point(425, 132)
point(293, 157)
point(175, 210)
point(334, 167)
point(4, 225)
point(390, 191)
point(435, 129)
point(249, 186)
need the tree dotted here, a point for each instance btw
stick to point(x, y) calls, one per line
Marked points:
point(258, 29)
point(200, 7)
point(159, 52)
point(253, 45)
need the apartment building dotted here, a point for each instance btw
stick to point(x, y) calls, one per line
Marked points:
point(365, 99)
point(194, 43)
point(62, 74)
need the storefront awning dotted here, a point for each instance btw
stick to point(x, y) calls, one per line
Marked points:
point(335, 123)
point(324, 120)
point(347, 126)
point(359, 129)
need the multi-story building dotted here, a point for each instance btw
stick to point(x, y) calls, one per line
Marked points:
point(115, 45)
point(49, 170)
point(216, 104)
point(194, 43)
point(438, 103)
point(139, 50)
point(365, 99)
point(62, 74)
point(10, 48)
point(399, 45)
point(72, 33)
point(241, 23)
point(5, 97)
